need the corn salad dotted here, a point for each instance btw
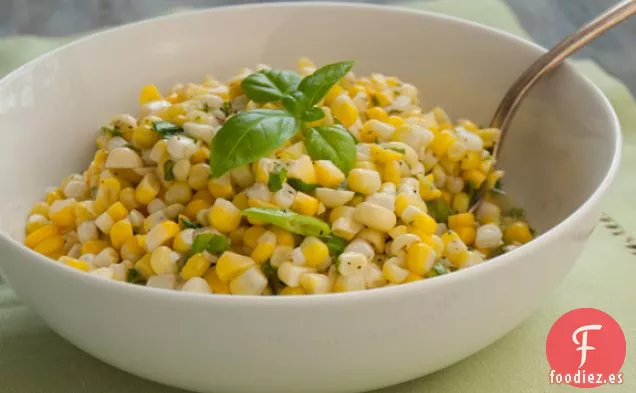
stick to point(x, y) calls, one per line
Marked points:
point(387, 205)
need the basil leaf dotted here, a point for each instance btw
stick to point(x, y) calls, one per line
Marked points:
point(166, 129)
point(270, 85)
point(335, 244)
point(332, 143)
point(277, 179)
point(290, 221)
point(168, 174)
point(248, 136)
point(316, 85)
point(313, 114)
point(295, 103)
point(112, 131)
point(185, 222)
point(210, 242)
point(301, 186)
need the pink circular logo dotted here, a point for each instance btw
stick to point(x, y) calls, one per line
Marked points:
point(585, 348)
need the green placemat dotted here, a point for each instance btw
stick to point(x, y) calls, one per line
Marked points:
point(34, 359)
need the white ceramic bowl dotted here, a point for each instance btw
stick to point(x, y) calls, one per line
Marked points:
point(560, 159)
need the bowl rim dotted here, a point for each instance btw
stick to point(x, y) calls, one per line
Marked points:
point(337, 298)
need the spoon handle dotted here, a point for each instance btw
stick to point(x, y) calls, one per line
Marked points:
point(550, 60)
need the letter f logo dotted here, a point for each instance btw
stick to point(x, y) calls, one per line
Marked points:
point(583, 344)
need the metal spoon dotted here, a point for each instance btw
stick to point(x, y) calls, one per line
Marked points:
point(543, 66)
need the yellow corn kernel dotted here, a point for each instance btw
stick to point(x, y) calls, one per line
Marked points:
point(54, 195)
point(194, 207)
point(120, 232)
point(328, 174)
point(149, 93)
point(461, 202)
point(364, 181)
point(283, 237)
point(127, 197)
point(177, 193)
point(62, 213)
point(472, 160)
point(147, 189)
point(264, 248)
point(224, 216)
point(384, 99)
point(420, 258)
point(144, 267)
point(391, 172)
point(402, 201)
point(36, 222)
point(428, 191)
point(305, 204)
point(340, 212)
point(75, 263)
point(195, 267)
point(50, 245)
point(215, 283)
point(461, 220)
point(236, 236)
point(41, 208)
point(314, 251)
point(252, 234)
point(493, 177)
point(39, 235)
point(203, 195)
point(344, 110)
point(221, 187)
point(396, 121)
point(517, 232)
point(447, 197)
point(231, 264)
point(394, 273)
point(302, 168)
point(474, 177)
point(467, 234)
point(94, 246)
point(200, 156)
point(334, 92)
point(366, 165)
point(413, 277)
point(397, 231)
point(144, 137)
point(84, 212)
point(377, 113)
point(161, 233)
point(292, 291)
point(107, 194)
point(367, 134)
point(489, 136)
point(132, 250)
point(442, 141)
point(384, 156)
point(117, 211)
point(425, 223)
point(240, 201)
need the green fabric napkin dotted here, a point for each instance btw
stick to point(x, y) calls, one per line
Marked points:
point(34, 359)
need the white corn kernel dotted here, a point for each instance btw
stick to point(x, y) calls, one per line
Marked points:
point(87, 231)
point(284, 197)
point(196, 285)
point(164, 281)
point(281, 254)
point(155, 205)
point(106, 257)
point(488, 236)
point(350, 263)
point(250, 282)
point(333, 198)
point(290, 273)
point(387, 201)
point(123, 158)
point(375, 216)
point(361, 246)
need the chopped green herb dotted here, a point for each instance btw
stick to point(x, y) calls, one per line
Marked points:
point(335, 244)
point(438, 269)
point(517, 213)
point(226, 108)
point(205, 107)
point(277, 179)
point(498, 251)
point(394, 112)
point(166, 129)
point(94, 190)
point(168, 173)
point(210, 242)
point(439, 210)
point(374, 100)
point(301, 186)
point(133, 276)
point(132, 147)
point(271, 272)
point(114, 131)
point(186, 223)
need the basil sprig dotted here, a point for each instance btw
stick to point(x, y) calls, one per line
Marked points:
point(247, 136)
